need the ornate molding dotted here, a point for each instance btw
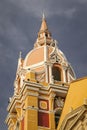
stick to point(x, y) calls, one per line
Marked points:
point(71, 120)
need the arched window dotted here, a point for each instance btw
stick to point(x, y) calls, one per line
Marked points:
point(46, 34)
point(57, 117)
point(56, 73)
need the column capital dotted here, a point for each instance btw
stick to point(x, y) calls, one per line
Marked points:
point(52, 95)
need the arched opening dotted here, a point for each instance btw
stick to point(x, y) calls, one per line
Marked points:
point(46, 34)
point(57, 117)
point(56, 72)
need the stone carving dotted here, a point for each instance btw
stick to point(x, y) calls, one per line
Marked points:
point(59, 102)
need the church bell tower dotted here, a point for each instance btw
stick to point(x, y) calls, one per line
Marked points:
point(40, 87)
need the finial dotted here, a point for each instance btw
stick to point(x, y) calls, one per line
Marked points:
point(43, 16)
point(20, 54)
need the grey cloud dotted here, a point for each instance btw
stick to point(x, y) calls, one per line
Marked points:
point(37, 7)
point(50, 7)
point(82, 1)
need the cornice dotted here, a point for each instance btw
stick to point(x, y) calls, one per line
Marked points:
point(15, 99)
point(36, 87)
point(53, 88)
point(30, 85)
point(10, 116)
point(19, 98)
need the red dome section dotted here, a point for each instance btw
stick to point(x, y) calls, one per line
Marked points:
point(34, 57)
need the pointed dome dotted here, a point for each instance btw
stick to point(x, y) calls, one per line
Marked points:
point(47, 54)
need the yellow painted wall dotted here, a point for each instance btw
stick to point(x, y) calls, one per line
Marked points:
point(52, 121)
point(31, 114)
point(31, 120)
point(31, 101)
point(75, 97)
point(30, 75)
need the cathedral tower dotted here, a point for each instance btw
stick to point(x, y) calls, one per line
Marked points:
point(40, 87)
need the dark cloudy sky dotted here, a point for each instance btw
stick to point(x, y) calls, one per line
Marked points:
point(20, 21)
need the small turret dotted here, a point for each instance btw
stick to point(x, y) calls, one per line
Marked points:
point(44, 36)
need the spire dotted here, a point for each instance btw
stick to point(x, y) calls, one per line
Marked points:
point(44, 26)
point(44, 36)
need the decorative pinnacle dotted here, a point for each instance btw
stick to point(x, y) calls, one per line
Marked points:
point(44, 24)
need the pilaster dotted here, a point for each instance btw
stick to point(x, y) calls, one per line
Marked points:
point(64, 74)
point(50, 73)
point(31, 112)
point(51, 109)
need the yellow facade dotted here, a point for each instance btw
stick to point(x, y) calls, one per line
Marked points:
point(76, 97)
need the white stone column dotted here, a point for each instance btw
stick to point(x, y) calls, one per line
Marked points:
point(64, 74)
point(21, 81)
point(50, 73)
point(51, 101)
point(45, 53)
point(46, 70)
point(45, 61)
point(68, 75)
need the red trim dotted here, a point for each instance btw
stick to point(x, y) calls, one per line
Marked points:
point(22, 124)
point(44, 101)
point(43, 119)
